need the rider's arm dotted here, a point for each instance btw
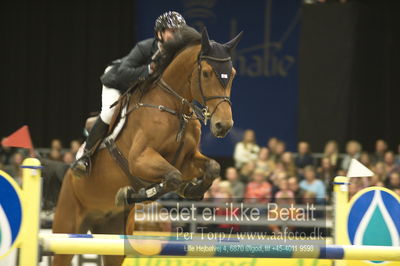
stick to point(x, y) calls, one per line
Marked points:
point(134, 66)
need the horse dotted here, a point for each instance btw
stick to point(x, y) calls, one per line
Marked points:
point(160, 141)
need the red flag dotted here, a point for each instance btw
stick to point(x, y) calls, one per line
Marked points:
point(20, 138)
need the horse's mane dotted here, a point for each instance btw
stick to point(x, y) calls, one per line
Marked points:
point(185, 37)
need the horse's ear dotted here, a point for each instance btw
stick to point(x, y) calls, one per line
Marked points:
point(232, 43)
point(205, 41)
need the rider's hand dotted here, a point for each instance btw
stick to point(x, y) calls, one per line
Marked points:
point(152, 67)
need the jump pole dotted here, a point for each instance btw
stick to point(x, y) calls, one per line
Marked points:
point(340, 205)
point(31, 187)
point(140, 246)
point(125, 245)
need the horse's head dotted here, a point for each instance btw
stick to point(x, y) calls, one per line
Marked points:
point(213, 81)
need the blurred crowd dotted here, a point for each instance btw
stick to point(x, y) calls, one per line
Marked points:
point(11, 158)
point(263, 174)
point(270, 173)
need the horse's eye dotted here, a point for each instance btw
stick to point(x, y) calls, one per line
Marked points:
point(206, 74)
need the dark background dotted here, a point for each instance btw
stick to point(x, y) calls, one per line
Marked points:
point(53, 53)
point(349, 73)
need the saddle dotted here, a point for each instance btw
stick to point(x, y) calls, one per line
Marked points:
point(119, 104)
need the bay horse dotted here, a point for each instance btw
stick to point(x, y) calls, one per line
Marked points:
point(160, 140)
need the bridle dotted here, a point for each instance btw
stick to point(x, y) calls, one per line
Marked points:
point(204, 107)
point(201, 110)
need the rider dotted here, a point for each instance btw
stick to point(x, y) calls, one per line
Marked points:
point(124, 72)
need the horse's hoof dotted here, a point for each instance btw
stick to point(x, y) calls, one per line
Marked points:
point(122, 196)
point(127, 196)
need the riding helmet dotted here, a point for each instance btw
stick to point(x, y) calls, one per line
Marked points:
point(169, 20)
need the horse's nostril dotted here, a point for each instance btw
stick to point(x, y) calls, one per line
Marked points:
point(218, 125)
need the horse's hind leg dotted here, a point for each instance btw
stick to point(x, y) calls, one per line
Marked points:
point(66, 216)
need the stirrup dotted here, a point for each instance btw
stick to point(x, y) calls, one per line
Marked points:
point(81, 167)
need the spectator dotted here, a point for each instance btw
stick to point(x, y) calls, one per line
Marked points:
point(353, 151)
point(303, 157)
point(258, 190)
point(68, 157)
point(74, 146)
point(309, 197)
point(380, 171)
point(341, 172)
point(226, 196)
point(55, 154)
point(288, 163)
point(398, 155)
point(214, 189)
point(380, 150)
point(353, 189)
point(279, 150)
point(331, 151)
point(6, 153)
point(284, 190)
point(312, 184)
point(246, 172)
point(271, 145)
point(223, 188)
point(237, 186)
point(246, 150)
point(55, 150)
point(284, 199)
point(276, 180)
point(14, 169)
point(278, 173)
point(326, 171)
point(56, 145)
point(264, 163)
point(394, 181)
point(390, 164)
point(365, 159)
point(293, 185)
point(373, 180)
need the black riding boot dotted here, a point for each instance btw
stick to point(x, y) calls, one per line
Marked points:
point(81, 166)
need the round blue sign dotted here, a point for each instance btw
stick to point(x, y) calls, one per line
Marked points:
point(10, 213)
point(374, 218)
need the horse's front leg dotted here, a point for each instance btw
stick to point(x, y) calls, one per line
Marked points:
point(208, 170)
point(150, 166)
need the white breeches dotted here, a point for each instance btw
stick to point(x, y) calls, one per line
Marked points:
point(108, 97)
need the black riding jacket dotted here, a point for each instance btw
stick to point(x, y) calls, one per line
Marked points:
point(134, 66)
